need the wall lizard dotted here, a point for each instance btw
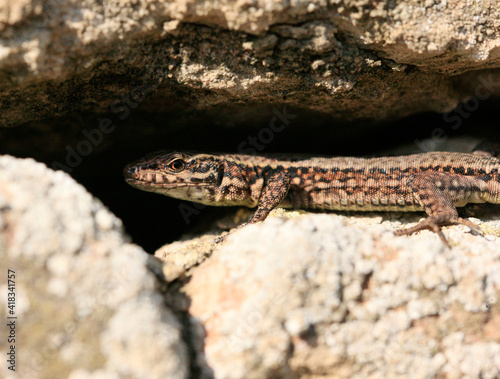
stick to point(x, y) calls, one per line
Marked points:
point(435, 182)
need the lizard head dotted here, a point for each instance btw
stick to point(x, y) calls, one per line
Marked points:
point(192, 177)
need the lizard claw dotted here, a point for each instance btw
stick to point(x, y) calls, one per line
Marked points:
point(475, 229)
point(220, 239)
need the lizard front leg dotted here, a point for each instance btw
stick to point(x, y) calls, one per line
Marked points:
point(275, 189)
point(436, 191)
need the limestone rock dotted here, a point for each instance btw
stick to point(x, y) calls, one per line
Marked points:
point(351, 59)
point(86, 304)
point(315, 297)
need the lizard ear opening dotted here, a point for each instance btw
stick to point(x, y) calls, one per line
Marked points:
point(220, 174)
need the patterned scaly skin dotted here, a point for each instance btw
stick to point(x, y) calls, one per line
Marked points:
point(436, 182)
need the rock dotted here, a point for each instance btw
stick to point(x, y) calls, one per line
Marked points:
point(93, 83)
point(86, 303)
point(316, 295)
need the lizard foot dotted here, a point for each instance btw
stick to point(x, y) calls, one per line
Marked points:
point(431, 224)
point(223, 237)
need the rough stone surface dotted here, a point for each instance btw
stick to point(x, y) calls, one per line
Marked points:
point(296, 296)
point(87, 305)
point(353, 59)
point(316, 296)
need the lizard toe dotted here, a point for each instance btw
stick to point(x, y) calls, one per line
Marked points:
point(475, 229)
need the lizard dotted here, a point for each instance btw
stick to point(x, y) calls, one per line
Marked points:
point(434, 182)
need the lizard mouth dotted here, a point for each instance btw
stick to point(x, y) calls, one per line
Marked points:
point(156, 180)
point(148, 180)
point(136, 177)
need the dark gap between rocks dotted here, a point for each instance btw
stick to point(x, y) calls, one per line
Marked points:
point(153, 220)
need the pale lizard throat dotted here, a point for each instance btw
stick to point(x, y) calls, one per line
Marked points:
point(435, 182)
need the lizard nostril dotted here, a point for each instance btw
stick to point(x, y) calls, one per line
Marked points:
point(129, 171)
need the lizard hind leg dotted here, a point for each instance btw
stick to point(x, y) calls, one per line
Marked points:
point(434, 192)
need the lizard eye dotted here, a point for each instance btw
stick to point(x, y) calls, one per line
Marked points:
point(177, 165)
